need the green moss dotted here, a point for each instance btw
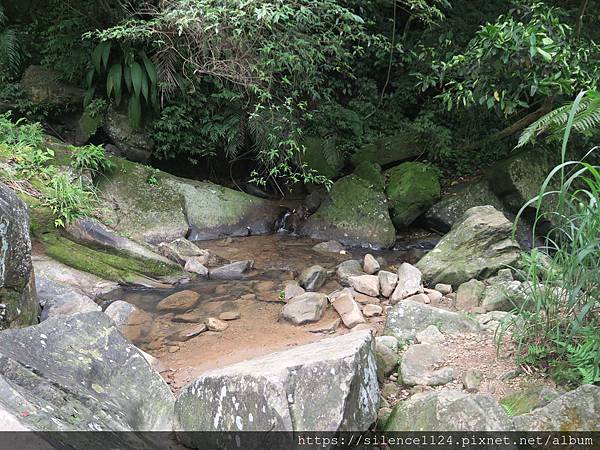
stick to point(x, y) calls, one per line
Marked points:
point(388, 150)
point(88, 125)
point(321, 155)
point(527, 400)
point(371, 172)
point(412, 188)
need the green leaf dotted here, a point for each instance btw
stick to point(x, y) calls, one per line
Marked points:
point(97, 57)
point(113, 80)
point(136, 78)
point(89, 78)
point(547, 56)
point(145, 86)
point(135, 111)
point(105, 54)
point(150, 69)
point(127, 77)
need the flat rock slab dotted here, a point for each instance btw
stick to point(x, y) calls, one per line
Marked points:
point(365, 284)
point(305, 308)
point(330, 385)
point(233, 271)
point(78, 373)
point(61, 300)
point(418, 366)
point(408, 318)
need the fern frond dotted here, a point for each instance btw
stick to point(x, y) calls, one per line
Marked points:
point(10, 52)
point(553, 124)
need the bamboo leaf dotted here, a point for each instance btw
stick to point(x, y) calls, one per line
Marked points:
point(136, 78)
point(105, 54)
point(135, 111)
point(150, 70)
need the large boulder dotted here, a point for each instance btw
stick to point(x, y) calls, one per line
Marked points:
point(167, 209)
point(477, 247)
point(448, 410)
point(352, 214)
point(371, 172)
point(78, 373)
point(407, 318)
point(61, 300)
point(578, 410)
point(412, 188)
point(18, 301)
point(320, 154)
point(388, 150)
point(44, 86)
point(330, 385)
point(133, 144)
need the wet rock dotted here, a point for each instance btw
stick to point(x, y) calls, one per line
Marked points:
point(528, 399)
point(445, 289)
point(330, 385)
point(365, 284)
point(477, 247)
point(371, 310)
point(577, 410)
point(179, 301)
point(348, 310)
point(347, 269)
point(407, 318)
point(214, 324)
point(329, 247)
point(312, 278)
point(370, 264)
point(18, 300)
point(233, 271)
point(409, 282)
point(59, 300)
point(387, 282)
point(352, 214)
point(469, 294)
point(121, 313)
point(448, 410)
point(292, 289)
point(418, 366)
point(229, 315)
point(472, 379)
point(430, 335)
point(305, 308)
point(82, 367)
point(194, 265)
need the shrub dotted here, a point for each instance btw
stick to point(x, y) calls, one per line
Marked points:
point(90, 157)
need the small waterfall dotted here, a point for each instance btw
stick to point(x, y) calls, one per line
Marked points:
point(281, 224)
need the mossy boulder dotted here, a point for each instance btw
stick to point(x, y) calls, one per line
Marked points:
point(412, 188)
point(352, 214)
point(87, 125)
point(528, 399)
point(371, 172)
point(44, 85)
point(388, 150)
point(18, 299)
point(134, 144)
point(321, 154)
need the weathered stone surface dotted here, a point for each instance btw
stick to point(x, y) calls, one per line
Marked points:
point(347, 269)
point(214, 324)
point(352, 214)
point(371, 310)
point(388, 150)
point(449, 410)
point(121, 312)
point(370, 264)
point(472, 379)
point(445, 289)
point(233, 271)
point(18, 301)
point(528, 399)
point(180, 250)
point(230, 315)
point(430, 335)
point(577, 410)
point(195, 265)
point(409, 282)
point(371, 172)
point(316, 149)
point(418, 363)
point(412, 188)
point(348, 310)
point(305, 308)
point(133, 144)
point(434, 296)
point(179, 301)
point(387, 359)
point(330, 385)
point(292, 289)
point(407, 318)
point(312, 278)
point(503, 293)
point(329, 247)
point(79, 373)
point(469, 294)
point(43, 85)
point(477, 247)
point(387, 282)
point(60, 300)
point(365, 284)
point(389, 341)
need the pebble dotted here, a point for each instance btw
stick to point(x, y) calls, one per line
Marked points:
point(215, 324)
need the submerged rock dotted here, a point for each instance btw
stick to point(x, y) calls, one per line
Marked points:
point(78, 373)
point(352, 214)
point(18, 301)
point(330, 385)
point(477, 247)
point(179, 301)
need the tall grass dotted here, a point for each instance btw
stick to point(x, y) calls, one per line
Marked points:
point(560, 329)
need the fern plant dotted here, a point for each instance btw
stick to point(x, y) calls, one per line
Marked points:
point(10, 51)
point(553, 124)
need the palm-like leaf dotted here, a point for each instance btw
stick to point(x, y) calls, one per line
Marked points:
point(553, 124)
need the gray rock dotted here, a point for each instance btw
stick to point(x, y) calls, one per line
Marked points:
point(387, 282)
point(469, 294)
point(347, 269)
point(449, 410)
point(44, 86)
point(329, 247)
point(120, 312)
point(365, 284)
point(18, 301)
point(445, 289)
point(194, 264)
point(312, 278)
point(387, 359)
point(133, 144)
point(371, 310)
point(418, 366)
point(477, 247)
point(407, 318)
point(330, 385)
point(180, 250)
point(292, 289)
point(78, 373)
point(389, 341)
point(57, 299)
point(577, 410)
point(434, 296)
point(419, 298)
point(348, 309)
point(430, 335)
point(528, 399)
point(409, 282)
point(305, 308)
point(370, 264)
point(233, 271)
point(472, 380)
point(503, 293)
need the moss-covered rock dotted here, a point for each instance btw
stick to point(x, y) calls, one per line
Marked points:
point(412, 188)
point(87, 125)
point(134, 144)
point(371, 172)
point(321, 155)
point(528, 399)
point(388, 150)
point(352, 214)
point(43, 85)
